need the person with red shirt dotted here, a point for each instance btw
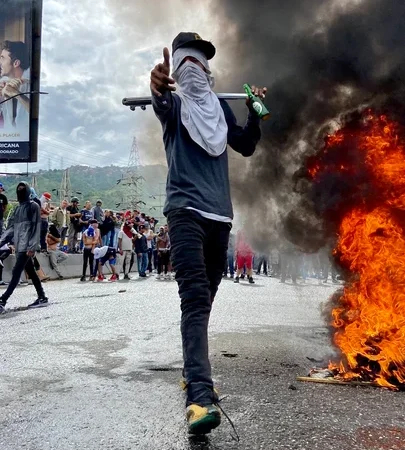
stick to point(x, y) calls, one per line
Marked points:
point(244, 257)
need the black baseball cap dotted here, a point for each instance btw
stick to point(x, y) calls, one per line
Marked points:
point(189, 39)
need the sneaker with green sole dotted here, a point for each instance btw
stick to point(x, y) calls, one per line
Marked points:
point(202, 419)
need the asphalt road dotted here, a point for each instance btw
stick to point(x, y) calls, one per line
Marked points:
point(99, 369)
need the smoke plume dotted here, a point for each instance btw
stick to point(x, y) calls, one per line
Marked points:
point(321, 62)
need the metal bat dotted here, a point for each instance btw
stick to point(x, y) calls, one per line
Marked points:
point(143, 102)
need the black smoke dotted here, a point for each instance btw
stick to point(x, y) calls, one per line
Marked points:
point(321, 61)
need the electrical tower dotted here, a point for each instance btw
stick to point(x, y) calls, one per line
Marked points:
point(65, 187)
point(132, 181)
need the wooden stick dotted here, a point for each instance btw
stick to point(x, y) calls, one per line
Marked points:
point(331, 380)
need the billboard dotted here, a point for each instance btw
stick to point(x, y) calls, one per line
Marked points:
point(20, 47)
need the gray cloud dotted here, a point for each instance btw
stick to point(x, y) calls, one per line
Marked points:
point(92, 57)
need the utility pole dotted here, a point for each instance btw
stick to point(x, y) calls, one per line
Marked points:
point(65, 191)
point(34, 183)
point(132, 180)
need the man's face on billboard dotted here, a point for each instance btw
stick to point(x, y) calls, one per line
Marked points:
point(6, 64)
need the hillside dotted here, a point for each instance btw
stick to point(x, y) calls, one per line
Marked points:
point(92, 183)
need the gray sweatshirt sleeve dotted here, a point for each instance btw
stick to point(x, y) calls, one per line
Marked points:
point(8, 235)
point(33, 241)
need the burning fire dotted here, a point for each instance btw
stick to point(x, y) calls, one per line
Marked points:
point(369, 320)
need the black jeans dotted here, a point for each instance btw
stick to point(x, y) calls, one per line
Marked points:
point(88, 258)
point(198, 254)
point(44, 232)
point(230, 264)
point(23, 261)
point(150, 259)
point(163, 262)
point(262, 260)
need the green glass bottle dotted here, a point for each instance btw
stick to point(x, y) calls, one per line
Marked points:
point(257, 103)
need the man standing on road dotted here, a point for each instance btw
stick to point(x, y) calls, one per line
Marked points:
point(197, 127)
point(141, 250)
point(3, 207)
point(60, 219)
point(149, 238)
point(126, 246)
point(87, 215)
point(91, 239)
point(74, 223)
point(98, 212)
point(24, 230)
point(45, 211)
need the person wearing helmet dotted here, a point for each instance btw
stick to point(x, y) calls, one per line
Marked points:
point(74, 225)
point(24, 229)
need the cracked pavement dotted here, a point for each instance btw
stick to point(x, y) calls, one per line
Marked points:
point(99, 369)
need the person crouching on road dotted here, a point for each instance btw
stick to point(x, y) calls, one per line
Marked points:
point(91, 239)
point(24, 229)
point(56, 256)
point(103, 255)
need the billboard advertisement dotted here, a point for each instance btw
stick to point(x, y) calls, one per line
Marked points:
point(20, 45)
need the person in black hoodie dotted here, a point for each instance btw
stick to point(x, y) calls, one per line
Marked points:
point(23, 229)
point(141, 250)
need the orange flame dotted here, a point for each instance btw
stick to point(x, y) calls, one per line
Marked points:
point(369, 320)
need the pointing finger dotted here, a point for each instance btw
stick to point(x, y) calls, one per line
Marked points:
point(166, 57)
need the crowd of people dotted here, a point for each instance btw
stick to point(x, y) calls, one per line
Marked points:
point(103, 236)
point(120, 238)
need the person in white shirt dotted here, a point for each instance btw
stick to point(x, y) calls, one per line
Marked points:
point(150, 236)
point(125, 246)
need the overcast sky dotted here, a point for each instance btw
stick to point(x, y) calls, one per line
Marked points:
point(93, 55)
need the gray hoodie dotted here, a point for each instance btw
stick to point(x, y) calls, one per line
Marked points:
point(24, 225)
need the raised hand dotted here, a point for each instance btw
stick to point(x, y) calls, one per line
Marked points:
point(11, 88)
point(160, 80)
